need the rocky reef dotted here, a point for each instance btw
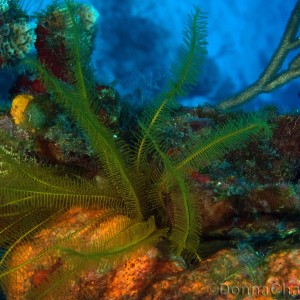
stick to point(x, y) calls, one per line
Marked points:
point(212, 220)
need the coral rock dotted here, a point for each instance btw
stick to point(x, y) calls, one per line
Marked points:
point(16, 40)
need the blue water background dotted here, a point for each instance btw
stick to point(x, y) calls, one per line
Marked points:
point(137, 42)
point(139, 39)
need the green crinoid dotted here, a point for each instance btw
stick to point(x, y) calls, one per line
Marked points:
point(33, 196)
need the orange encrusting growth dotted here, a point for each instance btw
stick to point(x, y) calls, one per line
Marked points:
point(36, 272)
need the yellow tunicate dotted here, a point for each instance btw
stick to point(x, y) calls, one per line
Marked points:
point(18, 107)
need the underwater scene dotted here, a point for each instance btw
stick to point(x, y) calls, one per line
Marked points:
point(149, 149)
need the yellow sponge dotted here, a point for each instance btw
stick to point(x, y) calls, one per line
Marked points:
point(18, 107)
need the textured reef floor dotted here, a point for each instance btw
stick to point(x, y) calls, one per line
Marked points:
point(250, 233)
